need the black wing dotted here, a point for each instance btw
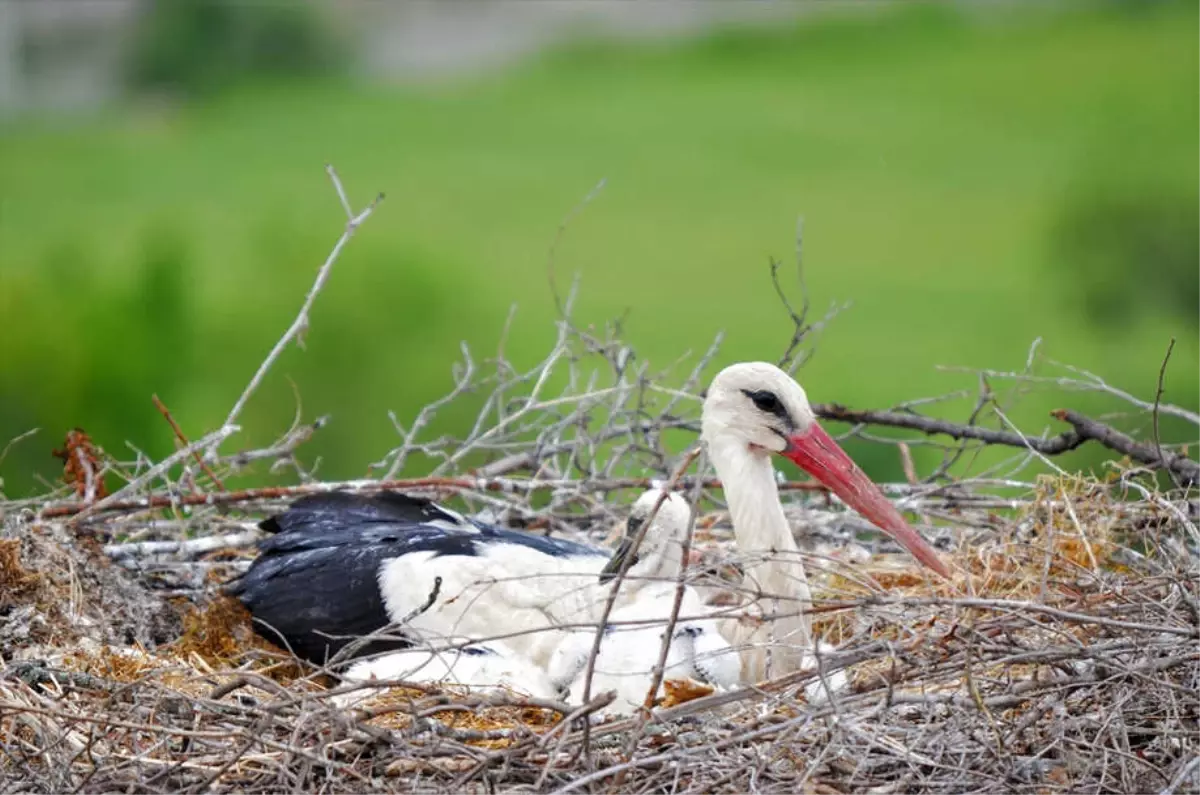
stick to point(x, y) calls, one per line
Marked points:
point(314, 586)
point(554, 547)
point(336, 512)
point(343, 509)
point(314, 599)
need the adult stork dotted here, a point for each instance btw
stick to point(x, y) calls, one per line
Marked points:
point(339, 565)
point(753, 410)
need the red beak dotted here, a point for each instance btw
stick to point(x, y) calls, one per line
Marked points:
point(819, 455)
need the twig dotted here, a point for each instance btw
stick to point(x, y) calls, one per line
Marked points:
point(414, 485)
point(462, 383)
point(1085, 429)
point(300, 324)
point(162, 408)
point(564, 311)
point(906, 463)
point(1185, 469)
point(35, 673)
point(931, 426)
point(1020, 607)
point(189, 548)
point(800, 328)
point(1093, 383)
point(117, 498)
point(16, 439)
point(1158, 393)
point(1187, 771)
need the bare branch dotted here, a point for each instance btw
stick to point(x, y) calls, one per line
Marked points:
point(564, 310)
point(1158, 392)
point(162, 408)
point(300, 324)
point(1186, 470)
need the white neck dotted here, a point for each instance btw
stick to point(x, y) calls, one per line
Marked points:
point(749, 484)
point(764, 535)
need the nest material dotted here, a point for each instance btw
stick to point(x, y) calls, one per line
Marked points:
point(1051, 664)
point(56, 587)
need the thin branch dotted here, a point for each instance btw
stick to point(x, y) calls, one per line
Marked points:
point(800, 327)
point(300, 324)
point(15, 440)
point(120, 497)
point(1158, 393)
point(564, 311)
point(413, 485)
point(162, 408)
point(1090, 383)
point(189, 548)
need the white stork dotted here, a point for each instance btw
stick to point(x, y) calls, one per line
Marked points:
point(632, 646)
point(342, 565)
point(754, 409)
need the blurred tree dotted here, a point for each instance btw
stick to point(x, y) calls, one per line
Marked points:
point(1132, 252)
point(196, 47)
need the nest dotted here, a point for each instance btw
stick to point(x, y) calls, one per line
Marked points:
point(1062, 657)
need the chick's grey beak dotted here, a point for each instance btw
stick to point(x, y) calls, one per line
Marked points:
point(623, 549)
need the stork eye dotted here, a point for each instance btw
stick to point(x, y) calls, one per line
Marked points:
point(766, 401)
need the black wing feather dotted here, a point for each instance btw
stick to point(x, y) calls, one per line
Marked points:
point(314, 585)
point(340, 509)
point(314, 601)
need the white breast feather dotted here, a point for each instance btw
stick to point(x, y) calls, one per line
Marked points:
point(508, 589)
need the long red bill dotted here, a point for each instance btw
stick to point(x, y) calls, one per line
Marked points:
point(819, 455)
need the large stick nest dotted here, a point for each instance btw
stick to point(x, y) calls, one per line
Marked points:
point(1061, 658)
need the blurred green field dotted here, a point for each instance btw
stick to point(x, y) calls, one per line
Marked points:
point(934, 154)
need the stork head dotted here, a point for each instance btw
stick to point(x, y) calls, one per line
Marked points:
point(659, 552)
point(755, 409)
point(756, 405)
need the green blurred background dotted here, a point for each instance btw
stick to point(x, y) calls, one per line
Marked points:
point(971, 176)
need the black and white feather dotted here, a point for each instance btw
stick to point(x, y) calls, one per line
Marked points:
point(316, 583)
point(338, 566)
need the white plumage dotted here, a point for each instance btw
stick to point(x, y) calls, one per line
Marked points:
point(524, 595)
point(483, 667)
point(752, 410)
point(338, 566)
point(632, 646)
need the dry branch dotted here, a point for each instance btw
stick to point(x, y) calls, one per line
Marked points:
point(300, 324)
point(179, 434)
point(1186, 470)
